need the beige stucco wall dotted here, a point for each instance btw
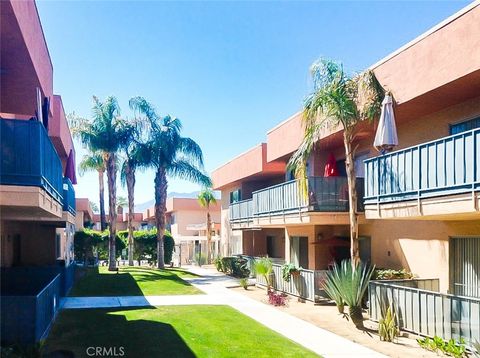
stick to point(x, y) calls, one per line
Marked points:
point(418, 246)
point(79, 219)
point(37, 243)
point(183, 218)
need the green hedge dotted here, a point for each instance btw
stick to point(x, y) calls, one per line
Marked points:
point(232, 265)
point(145, 244)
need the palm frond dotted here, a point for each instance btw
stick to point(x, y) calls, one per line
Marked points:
point(91, 162)
point(191, 149)
point(182, 169)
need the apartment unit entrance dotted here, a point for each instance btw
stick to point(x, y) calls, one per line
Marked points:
point(299, 251)
point(465, 266)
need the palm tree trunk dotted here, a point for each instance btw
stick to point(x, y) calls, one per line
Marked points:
point(112, 212)
point(352, 195)
point(130, 178)
point(101, 186)
point(209, 235)
point(160, 209)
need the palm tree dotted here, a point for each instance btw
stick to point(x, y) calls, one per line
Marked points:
point(121, 201)
point(168, 153)
point(107, 133)
point(94, 206)
point(205, 198)
point(95, 162)
point(127, 177)
point(132, 161)
point(338, 101)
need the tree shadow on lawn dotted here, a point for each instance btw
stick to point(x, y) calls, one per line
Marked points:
point(146, 277)
point(125, 282)
point(77, 330)
point(94, 283)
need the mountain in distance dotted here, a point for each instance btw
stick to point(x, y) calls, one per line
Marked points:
point(193, 195)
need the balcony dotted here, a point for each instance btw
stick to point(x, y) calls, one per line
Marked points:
point(441, 177)
point(325, 195)
point(29, 158)
point(68, 196)
point(30, 300)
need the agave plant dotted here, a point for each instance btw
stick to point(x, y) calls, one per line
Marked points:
point(332, 291)
point(264, 267)
point(351, 282)
point(476, 346)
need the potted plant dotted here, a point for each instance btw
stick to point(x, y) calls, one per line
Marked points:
point(289, 270)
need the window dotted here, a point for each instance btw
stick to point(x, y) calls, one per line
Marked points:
point(235, 196)
point(465, 126)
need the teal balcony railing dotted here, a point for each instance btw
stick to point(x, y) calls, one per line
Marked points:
point(324, 195)
point(68, 196)
point(28, 157)
point(242, 210)
point(445, 166)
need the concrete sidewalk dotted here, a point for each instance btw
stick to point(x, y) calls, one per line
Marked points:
point(138, 301)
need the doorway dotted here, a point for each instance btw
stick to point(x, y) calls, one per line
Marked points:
point(299, 251)
point(465, 266)
point(17, 250)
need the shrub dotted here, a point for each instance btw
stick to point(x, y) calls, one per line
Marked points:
point(351, 284)
point(218, 264)
point(387, 326)
point(145, 244)
point(168, 247)
point(288, 270)
point(234, 266)
point(200, 259)
point(264, 267)
point(244, 283)
point(390, 274)
point(451, 347)
point(277, 298)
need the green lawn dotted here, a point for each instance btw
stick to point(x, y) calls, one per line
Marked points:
point(170, 331)
point(133, 281)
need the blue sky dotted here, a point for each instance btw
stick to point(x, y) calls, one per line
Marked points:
point(229, 70)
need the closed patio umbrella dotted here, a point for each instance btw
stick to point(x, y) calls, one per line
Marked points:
point(70, 168)
point(331, 169)
point(386, 136)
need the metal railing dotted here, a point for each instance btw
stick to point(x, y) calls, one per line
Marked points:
point(28, 305)
point(445, 166)
point(68, 196)
point(325, 194)
point(28, 157)
point(47, 303)
point(307, 285)
point(241, 210)
point(422, 310)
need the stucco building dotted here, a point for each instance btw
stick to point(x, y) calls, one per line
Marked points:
point(187, 222)
point(37, 168)
point(419, 204)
